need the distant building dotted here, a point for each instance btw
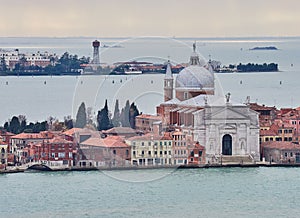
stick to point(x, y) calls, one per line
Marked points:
point(281, 152)
point(196, 154)
point(223, 127)
point(104, 152)
point(56, 151)
point(20, 142)
point(146, 122)
point(151, 150)
point(3, 153)
point(29, 59)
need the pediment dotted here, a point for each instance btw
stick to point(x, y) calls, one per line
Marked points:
point(227, 114)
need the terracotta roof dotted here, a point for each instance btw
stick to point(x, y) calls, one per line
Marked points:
point(71, 132)
point(177, 133)
point(257, 107)
point(148, 116)
point(148, 137)
point(58, 140)
point(281, 145)
point(29, 136)
point(120, 130)
point(109, 141)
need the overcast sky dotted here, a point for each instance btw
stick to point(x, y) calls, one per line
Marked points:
point(123, 18)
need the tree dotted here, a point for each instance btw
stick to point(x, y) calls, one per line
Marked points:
point(68, 122)
point(22, 120)
point(14, 125)
point(125, 115)
point(116, 117)
point(133, 112)
point(103, 120)
point(81, 116)
point(3, 67)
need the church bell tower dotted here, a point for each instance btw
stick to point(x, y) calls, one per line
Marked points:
point(168, 83)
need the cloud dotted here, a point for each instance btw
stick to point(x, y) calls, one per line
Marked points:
point(157, 17)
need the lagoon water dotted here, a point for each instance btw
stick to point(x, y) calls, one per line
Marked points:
point(224, 192)
point(59, 96)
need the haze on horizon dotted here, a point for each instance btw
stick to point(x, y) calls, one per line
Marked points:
point(117, 18)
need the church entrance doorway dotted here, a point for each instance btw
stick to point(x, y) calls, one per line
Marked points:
point(227, 145)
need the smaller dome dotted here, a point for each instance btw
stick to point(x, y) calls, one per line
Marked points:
point(195, 77)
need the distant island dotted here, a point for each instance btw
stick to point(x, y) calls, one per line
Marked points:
point(264, 48)
point(250, 67)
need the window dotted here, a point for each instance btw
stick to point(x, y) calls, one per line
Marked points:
point(185, 95)
point(127, 152)
point(149, 143)
point(142, 143)
point(170, 153)
point(165, 152)
point(70, 155)
point(290, 131)
point(133, 153)
point(170, 143)
point(160, 153)
point(200, 153)
point(285, 154)
point(192, 153)
point(155, 152)
point(53, 155)
point(285, 131)
point(291, 154)
point(290, 139)
point(143, 152)
point(61, 155)
point(279, 131)
point(160, 143)
point(114, 152)
point(149, 152)
point(165, 143)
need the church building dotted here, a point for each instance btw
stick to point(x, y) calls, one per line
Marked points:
point(228, 130)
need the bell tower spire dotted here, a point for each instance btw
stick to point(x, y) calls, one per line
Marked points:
point(168, 83)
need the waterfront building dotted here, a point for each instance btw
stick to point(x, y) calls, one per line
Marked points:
point(181, 147)
point(29, 59)
point(104, 152)
point(19, 143)
point(56, 151)
point(196, 154)
point(223, 127)
point(151, 149)
point(3, 153)
point(281, 152)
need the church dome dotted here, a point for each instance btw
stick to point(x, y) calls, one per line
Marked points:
point(195, 77)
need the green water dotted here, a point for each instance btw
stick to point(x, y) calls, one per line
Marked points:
point(226, 192)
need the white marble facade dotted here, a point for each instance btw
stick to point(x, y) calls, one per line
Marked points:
point(228, 130)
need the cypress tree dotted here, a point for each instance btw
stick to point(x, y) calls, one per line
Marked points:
point(125, 115)
point(116, 117)
point(81, 116)
point(133, 112)
point(14, 125)
point(103, 120)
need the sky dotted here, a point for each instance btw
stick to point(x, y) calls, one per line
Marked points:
point(133, 18)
